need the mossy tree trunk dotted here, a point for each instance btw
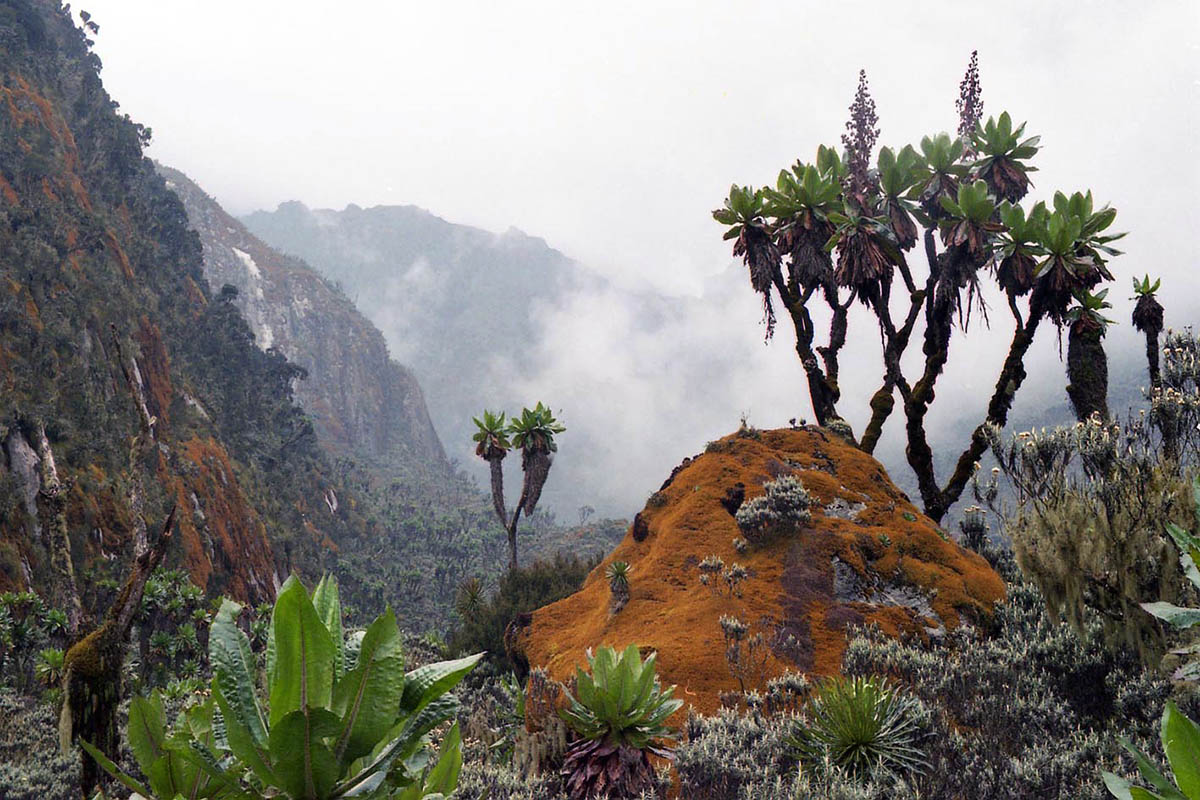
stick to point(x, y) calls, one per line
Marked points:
point(92, 668)
point(1087, 370)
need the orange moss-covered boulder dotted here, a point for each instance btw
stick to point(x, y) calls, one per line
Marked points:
point(867, 556)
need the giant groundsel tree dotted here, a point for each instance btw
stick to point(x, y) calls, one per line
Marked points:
point(842, 228)
point(532, 432)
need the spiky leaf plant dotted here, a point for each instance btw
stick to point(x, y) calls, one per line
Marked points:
point(862, 725)
point(1003, 155)
point(801, 203)
point(618, 577)
point(337, 723)
point(867, 252)
point(621, 714)
point(1181, 742)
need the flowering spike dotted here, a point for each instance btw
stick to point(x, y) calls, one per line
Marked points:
point(860, 137)
point(970, 100)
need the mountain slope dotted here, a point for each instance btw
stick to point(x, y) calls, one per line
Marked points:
point(126, 387)
point(455, 302)
point(360, 400)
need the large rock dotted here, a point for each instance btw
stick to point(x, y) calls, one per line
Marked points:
point(868, 556)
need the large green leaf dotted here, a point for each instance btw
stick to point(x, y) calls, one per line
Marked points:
point(147, 729)
point(304, 655)
point(1181, 741)
point(1175, 615)
point(241, 742)
point(304, 764)
point(427, 683)
point(233, 672)
point(443, 778)
point(329, 608)
point(128, 781)
point(402, 742)
point(1151, 775)
point(368, 697)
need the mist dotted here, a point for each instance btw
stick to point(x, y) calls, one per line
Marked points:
point(613, 131)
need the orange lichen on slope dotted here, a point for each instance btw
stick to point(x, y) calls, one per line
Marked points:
point(237, 544)
point(155, 369)
point(870, 558)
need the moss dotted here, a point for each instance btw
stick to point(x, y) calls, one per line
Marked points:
point(791, 579)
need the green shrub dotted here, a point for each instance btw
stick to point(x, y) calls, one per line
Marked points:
point(620, 714)
point(332, 726)
point(862, 725)
point(520, 591)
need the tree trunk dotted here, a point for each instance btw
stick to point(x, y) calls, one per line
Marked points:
point(1087, 370)
point(53, 509)
point(497, 467)
point(92, 668)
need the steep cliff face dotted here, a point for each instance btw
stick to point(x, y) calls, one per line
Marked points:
point(125, 386)
point(360, 400)
point(457, 303)
point(866, 557)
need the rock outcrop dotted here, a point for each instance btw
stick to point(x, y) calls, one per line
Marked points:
point(867, 556)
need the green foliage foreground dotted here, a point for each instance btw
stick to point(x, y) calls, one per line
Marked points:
point(342, 718)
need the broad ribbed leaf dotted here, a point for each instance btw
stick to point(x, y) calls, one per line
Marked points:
point(443, 778)
point(128, 781)
point(233, 671)
point(304, 764)
point(329, 608)
point(368, 697)
point(402, 742)
point(303, 655)
point(1181, 741)
point(427, 683)
point(147, 729)
point(1151, 775)
point(241, 743)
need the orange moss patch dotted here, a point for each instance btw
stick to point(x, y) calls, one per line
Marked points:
point(8, 193)
point(114, 247)
point(885, 563)
point(156, 371)
point(194, 293)
point(236, 541)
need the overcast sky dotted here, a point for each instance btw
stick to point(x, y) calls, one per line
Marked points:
point(613, 129)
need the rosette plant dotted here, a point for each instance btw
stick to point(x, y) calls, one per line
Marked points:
point(620, 714)
point(492, 445)
point(341, 717)
point(954, 200)
point(1148, 318)
point(1002, 157)
point(1087, 367)
point(532, 432)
